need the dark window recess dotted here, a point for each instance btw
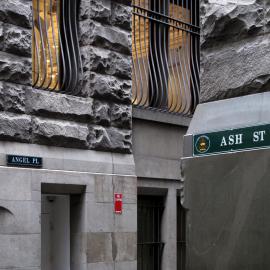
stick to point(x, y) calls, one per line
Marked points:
point(181, 236)
point(55, 47)
point(165, 49)
point(150, 247)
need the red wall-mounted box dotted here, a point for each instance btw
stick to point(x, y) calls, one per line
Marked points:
point(118, 203)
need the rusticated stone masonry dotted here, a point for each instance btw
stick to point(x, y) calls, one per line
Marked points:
point(235, 51)
point(99, 117)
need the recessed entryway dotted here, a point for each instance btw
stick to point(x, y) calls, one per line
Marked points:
point(62, 225)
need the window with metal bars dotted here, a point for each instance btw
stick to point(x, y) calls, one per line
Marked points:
point(181, 236)
point(150, 246)
point(165, 49)
point(55, 46)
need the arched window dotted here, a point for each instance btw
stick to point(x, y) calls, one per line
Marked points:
point(166, 55)
point(55, 47)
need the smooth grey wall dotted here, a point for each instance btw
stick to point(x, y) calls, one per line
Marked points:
point(228, 200)
point(157, 149)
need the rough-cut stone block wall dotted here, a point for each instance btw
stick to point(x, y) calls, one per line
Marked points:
point(99, 117)
point(235, 50)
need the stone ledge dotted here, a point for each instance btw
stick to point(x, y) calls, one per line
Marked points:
point(57, 105)
point(73, 160)
point(161, 117)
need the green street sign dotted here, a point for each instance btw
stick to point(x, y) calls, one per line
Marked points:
point(231, 140)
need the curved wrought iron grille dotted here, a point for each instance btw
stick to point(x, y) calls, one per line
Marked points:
point(56, 55)
point(165, 48)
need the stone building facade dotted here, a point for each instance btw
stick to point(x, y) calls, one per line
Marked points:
point(84, 141)
point(94, 145)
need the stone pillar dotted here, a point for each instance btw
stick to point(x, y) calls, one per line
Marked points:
point(169, 237)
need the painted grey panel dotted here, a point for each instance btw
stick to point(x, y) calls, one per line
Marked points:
point(228, 219)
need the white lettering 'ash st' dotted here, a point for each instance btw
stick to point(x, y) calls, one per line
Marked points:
point(232, 140)
point(237, 139)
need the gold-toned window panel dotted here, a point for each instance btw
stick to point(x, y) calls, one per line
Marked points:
point(46, 45)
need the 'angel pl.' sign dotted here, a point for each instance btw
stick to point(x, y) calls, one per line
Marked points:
point(231, 140)
point(24, 161)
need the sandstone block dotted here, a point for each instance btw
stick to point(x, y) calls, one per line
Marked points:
point(59, 133)
point(100, 10)
point(110, 139)
point(26, 247)
point(104, 36)
point(97, 222)
point(102, 113)
point(59, 105)
point(16, 40)
point(222, 23)
point(238, 69)
point(130, 265)
point(16, 12)
point(15, 69)
point(12, 97)
point(104, 188)
point(99, 247)
point(121, 15)
point(110, 88)
point(101, 266)
point(16, 186)
point(15, 127)
point(121, 115)
point(109, 62)
point(127, 221)
point(21, 217)
point(84, 10)
point(124, 246)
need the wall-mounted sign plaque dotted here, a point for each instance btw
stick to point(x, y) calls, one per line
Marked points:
point(24, 161)
point(118, 203)
point(231, 140)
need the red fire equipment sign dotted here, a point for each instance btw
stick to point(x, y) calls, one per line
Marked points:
point(118, 203)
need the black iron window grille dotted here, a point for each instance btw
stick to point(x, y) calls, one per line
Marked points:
point(150, 246)
point(181, 236)
point(165, 49)
point(55, 46)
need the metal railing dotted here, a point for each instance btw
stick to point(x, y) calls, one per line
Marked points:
point(165, 49)
point(150, 246)
point(56, 55)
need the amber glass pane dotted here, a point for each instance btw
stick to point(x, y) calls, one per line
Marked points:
point(45, 45)
point(179, 54)
point(140, 53)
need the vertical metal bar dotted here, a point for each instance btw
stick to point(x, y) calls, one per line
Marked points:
point(174, 90)
point(44, 73)
point(74, 64)
point(193, 70)
point(48, 47)
point(152, 64)
point(64, 20)
point(76, 41)
point(135, 59)
point(141, 60)
point(147, 47)
point(36, 61)
point(159, 87)
point(179, 71)
point(162, 32)
point(63, 65)
point(180, 57)
point(55, 48)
